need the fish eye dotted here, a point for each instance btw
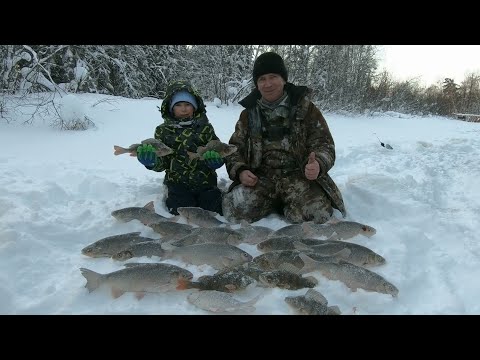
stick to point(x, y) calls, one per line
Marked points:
point(364, 228)
point(124, 255)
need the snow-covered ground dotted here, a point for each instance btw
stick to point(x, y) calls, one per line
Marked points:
point(58, 188)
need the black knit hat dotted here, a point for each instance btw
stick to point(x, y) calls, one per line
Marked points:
point(267, 63)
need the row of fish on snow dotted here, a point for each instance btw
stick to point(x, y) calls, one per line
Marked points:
point(202, 239)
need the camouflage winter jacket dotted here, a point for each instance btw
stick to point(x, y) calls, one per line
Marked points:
point(308, 132)
point(183, 136)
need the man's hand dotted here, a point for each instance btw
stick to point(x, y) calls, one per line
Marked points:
point(247, 178)
point(312, 169)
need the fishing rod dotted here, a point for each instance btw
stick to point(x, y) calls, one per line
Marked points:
point(387, 146)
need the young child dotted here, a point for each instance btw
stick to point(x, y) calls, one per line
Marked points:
point(185, 127)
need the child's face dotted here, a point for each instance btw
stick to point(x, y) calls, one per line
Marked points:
point(182, 110)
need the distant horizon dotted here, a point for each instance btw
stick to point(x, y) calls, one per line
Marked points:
point(429, 63)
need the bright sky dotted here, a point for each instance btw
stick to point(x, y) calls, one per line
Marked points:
point(432, 62)
point(57, 195)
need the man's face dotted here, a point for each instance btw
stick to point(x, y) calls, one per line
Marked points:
point(271, 86)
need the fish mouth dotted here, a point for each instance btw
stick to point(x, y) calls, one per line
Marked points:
point(392, 290)
point(368, 231)
point(186, 276)
point(94, 255)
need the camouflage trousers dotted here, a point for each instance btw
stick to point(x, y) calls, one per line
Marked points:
point(300, 199)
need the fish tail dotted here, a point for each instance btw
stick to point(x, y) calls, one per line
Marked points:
point(309, 264)
point(252, 302)
point(118, 150)
point(192, 155)
point(93, 279)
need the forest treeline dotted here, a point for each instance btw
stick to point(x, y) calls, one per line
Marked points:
point(343, 77)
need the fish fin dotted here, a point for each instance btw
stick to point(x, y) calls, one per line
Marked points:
point(150, 206)
point(251, 285)
point(140, 295)
point(116, 292)
point(183, 284)
point(163, 152)
point(332, 221)
point(301, 246)
point(231, 149)
point(261, 285)
point(174, 218)
point(232, 240)
point(333, 310)
point(245, 223)
point(128, 265)
point(289, 267)
point(213, 213)
point(226, 261)
point(315, 295)
point(94, 279)
point(230, 287)
point(252, 302)
point(344, 253)
point(334, 237)
point(307, 228)
point(133, 153)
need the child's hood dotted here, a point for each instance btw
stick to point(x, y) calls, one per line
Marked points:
point(174, 87)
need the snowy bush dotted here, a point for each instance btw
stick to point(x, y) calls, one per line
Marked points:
point(217, 102)
point(71, 114)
